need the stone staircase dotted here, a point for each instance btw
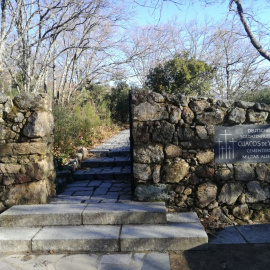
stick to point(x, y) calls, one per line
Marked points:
point(96, 214)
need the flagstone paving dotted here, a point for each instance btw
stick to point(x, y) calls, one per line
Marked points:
point(101, 194)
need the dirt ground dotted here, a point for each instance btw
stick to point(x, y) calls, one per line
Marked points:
point(232, 257)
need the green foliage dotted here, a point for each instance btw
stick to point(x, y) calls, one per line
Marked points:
point(181, 75)
point(78, 123)
point(119, 102)
point(260, 96)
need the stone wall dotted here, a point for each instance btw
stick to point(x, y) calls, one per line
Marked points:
point(26, 139)
point(173, 138)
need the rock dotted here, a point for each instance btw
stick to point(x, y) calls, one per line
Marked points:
point(163, 133)
point(28, 193)
point(2, 207)
point(177, 99)
point(152, 153)
point(149, 112)
point(39, 124)
point(189, 134)
point(255, 117)
point(8, 180)
point(237, 116)
point(212, 205)
point(142, 172)
point(141, 132)
point(217, 213)
point(205, 171)
point(262, 170)
point(244, 104)
point(242, 198)
point(19, 118)
point(39, 148)
point(188, 191)
point(244, 172)
point(214, 118)
point(174, 170)
point(38, 170)
point(193, 179)
point(262, 107)
point(156, 97)
point(179, 189)
point(241, 212)
point(8, 106)
point(205, 157)
point(230, 193)
point(256, 193)
point(224, 174)
point(3, 98)
point(156, 174)
point(188, 115)
point(151, 193)
point(9, 168)
point(224, 103)
point(23, 178)
point(202, 132)
point(172, 151)
point(175, 114)
point(79, 156)
point(6, 133)
point(84, 152)
point(27, 101)
point(199, 106)
point(206, 193)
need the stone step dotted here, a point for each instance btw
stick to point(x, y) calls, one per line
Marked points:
point(60, 239)
point(125, 213)
point(77, 239)
point(106, 162)
point(108, 152)
point(103, 173)
point(183, 232)
point(84, 214)
point(175, 236)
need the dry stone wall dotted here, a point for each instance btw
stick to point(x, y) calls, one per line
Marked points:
point(173, 142)
point(26, 139)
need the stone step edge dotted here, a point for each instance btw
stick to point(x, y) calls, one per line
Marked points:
point(84, 214)
point(107, 238)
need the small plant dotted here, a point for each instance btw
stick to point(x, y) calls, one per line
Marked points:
point(82, 123)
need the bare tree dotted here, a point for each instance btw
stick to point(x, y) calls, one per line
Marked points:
point(47, 33)
point(240, 11)
point(239, 67)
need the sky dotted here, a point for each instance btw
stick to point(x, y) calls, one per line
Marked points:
point(188, 12)
point(198, 11)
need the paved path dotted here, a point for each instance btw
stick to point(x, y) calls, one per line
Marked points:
point(130, 261)
point(113, 189)
point(105, 177)
point(105, 184)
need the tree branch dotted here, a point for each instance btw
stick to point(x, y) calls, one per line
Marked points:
point(256, 44)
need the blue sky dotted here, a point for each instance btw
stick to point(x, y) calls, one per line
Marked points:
point(198, 11)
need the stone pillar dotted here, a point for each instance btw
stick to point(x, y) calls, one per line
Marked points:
point(26, 139)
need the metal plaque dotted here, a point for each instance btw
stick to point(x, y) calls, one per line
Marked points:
point(243, 143)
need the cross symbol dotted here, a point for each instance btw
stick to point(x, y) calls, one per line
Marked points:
point(233, 142)
point(225, 137)
point(229, 148)
point(219, 142)
point(223, 148)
